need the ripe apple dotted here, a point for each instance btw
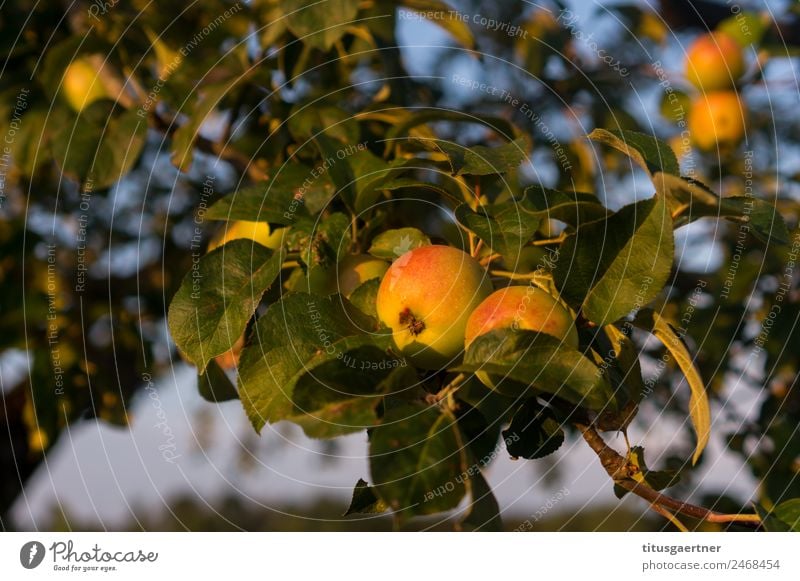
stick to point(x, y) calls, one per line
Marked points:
point(520, 307)
point(242, 229)
point(714, 62)
point(82, 84)
point(717, 119)
point(426, 297)
point(357, 269)
point(230, 359)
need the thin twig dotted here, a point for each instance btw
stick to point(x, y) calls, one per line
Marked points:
point(489, 259)
point(558, 239)
point(617, 467)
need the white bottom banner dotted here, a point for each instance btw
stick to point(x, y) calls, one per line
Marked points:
point(400, 556)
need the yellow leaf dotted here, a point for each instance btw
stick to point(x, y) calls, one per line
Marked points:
point(699, 408)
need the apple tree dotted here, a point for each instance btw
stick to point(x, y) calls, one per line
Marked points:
point(273, 193)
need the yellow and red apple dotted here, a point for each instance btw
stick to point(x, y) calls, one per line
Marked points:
point(426, 297)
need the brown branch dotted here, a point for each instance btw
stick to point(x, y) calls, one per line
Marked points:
point(620, 471)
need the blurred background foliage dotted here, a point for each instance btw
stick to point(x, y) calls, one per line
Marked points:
point(99, 195)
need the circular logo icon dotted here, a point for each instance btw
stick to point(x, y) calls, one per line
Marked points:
point(31, 554)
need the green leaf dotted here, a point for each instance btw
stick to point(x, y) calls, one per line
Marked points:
point(370, 173)
point(613, 266)
point(319, 23)
point(216, 300)
point(307, 119)
point(622, 362)
point(215, 386)
point(674, 105)
point(205, 103)
point(699, 409)
point(533, 433)
point(479, 160)
point(414, 184)
point(652, 154)
point(484, 512)
point(279, 201)
point(573, 208)
point(325, 242)
point(337, 167)
point(364, 298)
point(747, 28)
point(481, 437)
point(340, 395)
point(496, 408)
point(364, 500)
point(392, 244)
point(310, 362)
point(505, 228)
point(762, 218)
point(770, 522)
point(757, 216)
point(457, 27)
point(30, 144)
point(789, 513)
point(417, 460)
point(655, 479)
point(541, 364)
point(99, 149)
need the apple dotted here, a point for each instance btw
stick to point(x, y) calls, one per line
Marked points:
point(242, 229)
point(230, 359)
point(520, 307)
point(714, 62)
point(82, 85)
point(426, 297)
point(717, 119)
point(356, 269)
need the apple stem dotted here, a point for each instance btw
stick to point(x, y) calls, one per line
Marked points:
point(486, 260)
point(557, 240)
point(617, 468)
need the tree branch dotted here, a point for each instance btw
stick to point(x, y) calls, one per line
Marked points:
point(619, 470)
